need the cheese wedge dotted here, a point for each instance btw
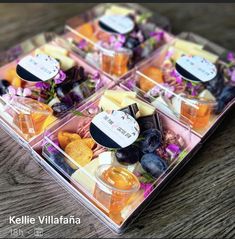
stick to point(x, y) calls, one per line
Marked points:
point(108, 104)
point(119, 95)
point(49, 49)
point(117, 10)
point(187, 45)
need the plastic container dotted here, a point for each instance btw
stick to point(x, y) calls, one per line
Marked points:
point(199, 105)
point(115, 37)
point(28, 108)
point(115, 204)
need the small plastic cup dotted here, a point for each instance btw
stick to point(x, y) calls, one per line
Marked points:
point(114, 187)
point(197, 112)
point(115, 62)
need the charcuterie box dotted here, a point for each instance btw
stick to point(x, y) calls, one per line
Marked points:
point(28, 104)
point(191, 80)
point(116, 37)
point(113, 129)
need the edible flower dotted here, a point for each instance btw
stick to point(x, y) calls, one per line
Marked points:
point(147, 187)
point(95, 80)
point(43, 85)
point(173, 150)
point(230, 57)
point(177, 76)
point(19, 91)
point(130, 84)
point(156, 90)
point(233, 76)
point(60, 77)
point(82, 44)
point(117, 42)
point(158, 35)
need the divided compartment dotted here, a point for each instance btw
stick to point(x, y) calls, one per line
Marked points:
point(114, 53)
point(114, 205)
point(25, 118)
point(157, 81)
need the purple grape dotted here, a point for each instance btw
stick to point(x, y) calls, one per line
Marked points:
point(3, 86)
point(128, 155)
point(153, 164)
point(151, 141)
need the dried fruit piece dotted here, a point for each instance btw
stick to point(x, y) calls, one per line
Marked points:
point(89, 142)
point(79, 152)
point(65, 138)
point(153, 73)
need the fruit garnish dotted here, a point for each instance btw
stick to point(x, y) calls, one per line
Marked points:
point(151, 141)
point(79, 152)
point(153, 73)
point(65, 138)
point(89, 142)
point(153, 164)
point(128, 155)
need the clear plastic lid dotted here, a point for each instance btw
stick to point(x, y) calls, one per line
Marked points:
point(115, 37)
point(29, 107)
point(117, 181)
point(197, 104)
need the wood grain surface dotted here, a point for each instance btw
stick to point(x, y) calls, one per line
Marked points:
point(199, 203)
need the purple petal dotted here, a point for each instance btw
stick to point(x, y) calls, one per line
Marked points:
point(147, 187)
point(173, 150)
point(121, 38)
point(19, 91)
point(130, 84)
point(112, 39)
point(27, 92)
point(233, 76)
point(60, 77)
point(11, 90)
point(82, 44)
point(230, 56)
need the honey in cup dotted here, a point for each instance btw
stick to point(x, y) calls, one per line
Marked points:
point(115, 62)
point(114, 187)
point(197, 112)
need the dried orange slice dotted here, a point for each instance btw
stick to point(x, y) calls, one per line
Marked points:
point(153, 73)
point(89, 142)
point(79, 152)
point(65, 138)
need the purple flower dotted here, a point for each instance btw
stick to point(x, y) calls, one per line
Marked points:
point(147, 187)
point(140, 36)
point(11, 90)
point(82, 44)
point(121, 38)
point(230, 56)
point(96, 78)
point(117, 42)
point(158, 35)
point(173, 148)
point(233, 76)
point(130, 84)
point(60, 77)
point(19, 91)
point(43, 85)
point(169, 54)
point(155, 91)
point(175, 74)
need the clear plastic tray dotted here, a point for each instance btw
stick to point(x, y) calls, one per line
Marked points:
point(114, 205)
point(159, 83)
point(116, 52)
point(27, 117)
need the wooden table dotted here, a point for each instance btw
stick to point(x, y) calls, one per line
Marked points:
point(198, 203)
